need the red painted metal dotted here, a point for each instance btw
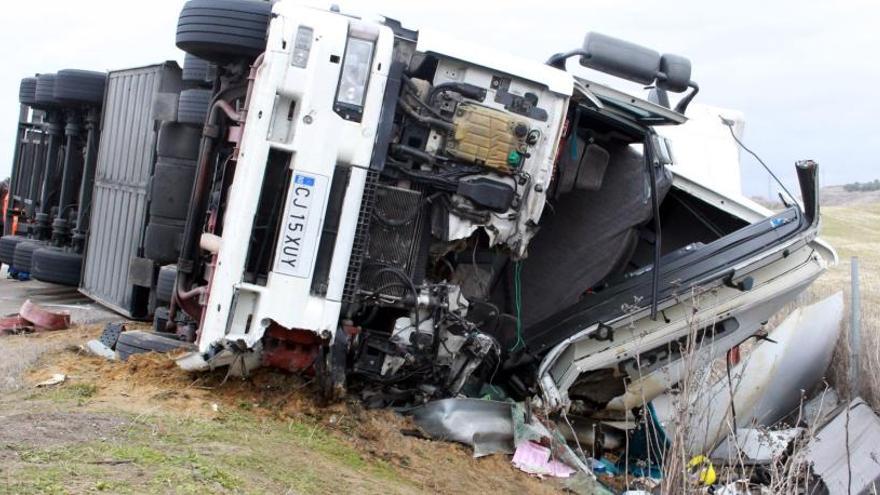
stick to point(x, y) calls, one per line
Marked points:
point(32, 317)
point(44, 319)
point(292, 350)
point(14, 325)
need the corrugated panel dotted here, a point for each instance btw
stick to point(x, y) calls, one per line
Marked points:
point(119, 200)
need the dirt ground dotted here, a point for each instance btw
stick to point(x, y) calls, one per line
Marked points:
point(147, 427)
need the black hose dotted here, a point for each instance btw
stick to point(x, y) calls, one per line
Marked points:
point(655, 205)
point(424, 119)
point(467, 90)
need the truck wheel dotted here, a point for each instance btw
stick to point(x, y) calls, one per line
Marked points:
point(137, 342)
point(162, 239)
point(51, 264)
point(179, 141)
point(27, 91)
point(223, 30)
point(80, 87)
point(193, 106)
point(197, 70)
point(24, 255)
point(171, 187)
point(7, 247)
point(165, 283)
point(44, 94)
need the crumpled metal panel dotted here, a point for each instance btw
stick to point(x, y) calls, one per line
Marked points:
point(827, 452)
point(485, 425)
point(119, 201)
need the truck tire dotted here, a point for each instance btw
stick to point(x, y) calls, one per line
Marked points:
point(171, 187)
point(162, 240)
point(54, 265)
point(44, 94)
point(192, 108)
point(197, 70)
point(179, 141)
point(223, 30)
point(27, 91)
point(7, 247)
point(24, 255)
point(80, 87)
point(165, 283)
point(138, 342)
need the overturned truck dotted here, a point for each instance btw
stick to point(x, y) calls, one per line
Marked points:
point(409, 217)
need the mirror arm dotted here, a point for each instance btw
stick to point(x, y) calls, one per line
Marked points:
point(558, 61)
point(684, 102)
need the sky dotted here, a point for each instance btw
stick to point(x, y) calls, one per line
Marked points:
point(803, 73)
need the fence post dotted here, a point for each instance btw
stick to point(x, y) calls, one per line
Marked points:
point(854, 330)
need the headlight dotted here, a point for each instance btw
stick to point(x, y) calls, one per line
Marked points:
point(353, 79)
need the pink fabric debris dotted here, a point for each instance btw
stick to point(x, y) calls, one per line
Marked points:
point(533, 458)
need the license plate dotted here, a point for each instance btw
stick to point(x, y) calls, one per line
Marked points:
point(301, 226)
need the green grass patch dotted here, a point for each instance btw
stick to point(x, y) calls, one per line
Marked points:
point(78, 392)
point(239, 452)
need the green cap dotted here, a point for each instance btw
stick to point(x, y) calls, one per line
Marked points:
point(514, 158)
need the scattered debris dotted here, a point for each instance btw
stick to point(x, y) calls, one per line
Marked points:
point(57, 378)
point(34, 318)
point(702, 471)
point(757, 445)
point(845, 453)
point(485, 425)
point(767, 384)
point(536, 459)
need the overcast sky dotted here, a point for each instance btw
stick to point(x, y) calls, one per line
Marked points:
point(804, 75)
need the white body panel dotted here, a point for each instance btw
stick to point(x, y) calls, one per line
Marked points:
point(704, 149)
point(286, 297)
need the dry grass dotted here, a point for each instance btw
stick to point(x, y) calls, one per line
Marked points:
point(19, 353)
point(854, 230)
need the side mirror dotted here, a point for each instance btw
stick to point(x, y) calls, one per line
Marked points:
point(620, 58)
point(675, 73)
point(634, 62)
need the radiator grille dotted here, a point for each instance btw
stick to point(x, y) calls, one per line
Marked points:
point(361, 237)
point(396, 242)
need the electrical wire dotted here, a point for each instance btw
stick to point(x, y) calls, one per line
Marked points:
point(517, 301)
point(729, 123)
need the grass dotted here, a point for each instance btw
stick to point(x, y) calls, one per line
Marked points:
point(855, 231)
point(236, 453)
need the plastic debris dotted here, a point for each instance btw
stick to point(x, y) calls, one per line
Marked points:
point(56, 379)
point(536, 459)
point(702, 470)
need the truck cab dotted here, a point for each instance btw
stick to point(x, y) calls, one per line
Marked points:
point(412, 217)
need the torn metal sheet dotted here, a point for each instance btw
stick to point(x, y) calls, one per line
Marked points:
point(768, 384)
point(485, 425)
point(817, 411)
point(756, 445)
point(828, 451)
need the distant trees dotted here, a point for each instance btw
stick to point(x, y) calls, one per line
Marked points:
point(863, 186)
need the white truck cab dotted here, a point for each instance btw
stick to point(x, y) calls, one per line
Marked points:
point(415, 217)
